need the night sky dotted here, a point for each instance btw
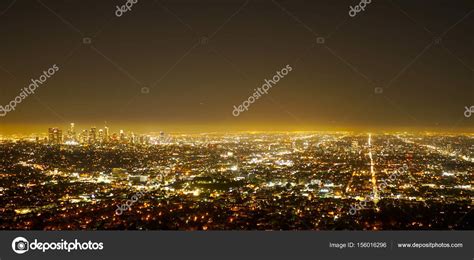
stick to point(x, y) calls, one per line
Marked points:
point(183, 65)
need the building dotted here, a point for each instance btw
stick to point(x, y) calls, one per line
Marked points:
point(55, 135)
point(106, 134)
point(101, 136)
point(119, 173)
point(138, 179)
point(71, 133)
point(122, 136)
point(93, 135)
point(84, 136)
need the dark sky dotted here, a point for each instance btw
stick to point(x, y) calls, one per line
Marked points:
point(200, 58)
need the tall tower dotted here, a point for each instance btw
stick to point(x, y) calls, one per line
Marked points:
point(122, 136)
point(50, 135)
point(93, 135)
point(71, 133)
point(85, 136)
point(106, 133)
point(101, 136)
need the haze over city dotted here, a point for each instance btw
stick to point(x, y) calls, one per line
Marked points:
point(236, 115)
point(182, 66)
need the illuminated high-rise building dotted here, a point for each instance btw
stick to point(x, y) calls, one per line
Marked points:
point(142, 139)
point(71, 133)
point(55, 135)
point(145, 139)
point(106, 134)
point(93, 135)
point(84, 136)
point(122, 136)
point(51, 135)
point(114, 137)
point(101, 136)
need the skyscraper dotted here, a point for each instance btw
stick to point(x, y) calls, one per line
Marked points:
point(55, 135)
point(85, 136)
point(71, 133)
point(106, 134)
point(101, 136)
point(93, 135)
point(122, 136)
